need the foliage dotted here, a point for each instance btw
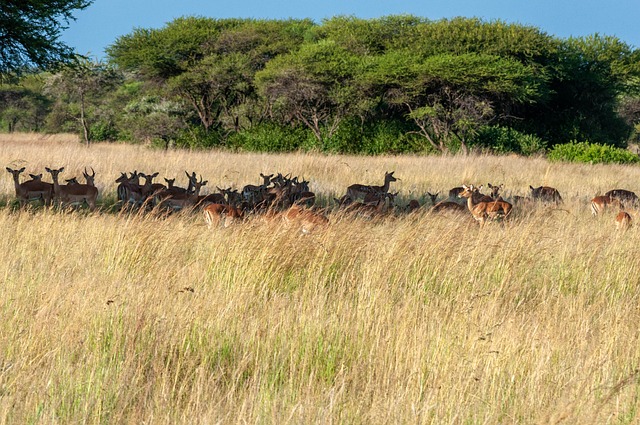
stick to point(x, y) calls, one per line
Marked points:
point(392, 84)
point(269, 137)
point(30, 33)
point(505, 140)
point(591, 153)
point(81, 89)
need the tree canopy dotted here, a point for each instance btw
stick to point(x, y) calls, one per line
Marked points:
point(391, 84)
point(30, 33)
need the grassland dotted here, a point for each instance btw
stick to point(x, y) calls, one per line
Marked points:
point(110, 318)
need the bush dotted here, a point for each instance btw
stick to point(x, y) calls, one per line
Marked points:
point(592, 153)
point(268, 137)
point(507, 140)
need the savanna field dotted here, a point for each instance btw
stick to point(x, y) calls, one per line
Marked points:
point(415, 318)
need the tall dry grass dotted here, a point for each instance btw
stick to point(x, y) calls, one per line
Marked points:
point(112, 318)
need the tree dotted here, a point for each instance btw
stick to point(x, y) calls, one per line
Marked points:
point(30, 32)
point(24, 106)
point(314, 86)
point(82, 86)
point(449, 97)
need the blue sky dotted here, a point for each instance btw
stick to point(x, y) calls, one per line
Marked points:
point(105, 20)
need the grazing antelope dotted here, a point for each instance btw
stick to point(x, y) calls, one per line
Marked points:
point(73, 194)
point(600, 204)
point(306, 218)
point(546, 194)
point(623, 220)
point(369, 211)
point(413, 206)
point(214, 214)
point(626, 196)
point(356, 190)
point(31, 190)
point(484, 209)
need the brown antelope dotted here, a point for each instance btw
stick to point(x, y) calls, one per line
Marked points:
point(255, 194)
point(369, 211)
point(623, 220)
point(413, 206)
point(73, 194)
point(455, 192)
point(495, 190)
point(214, 214)
point(179, 202)
point(484, 209)
point(306, 218)
point(448, 206)
point(149, 188)
point(172, 188)
point(356, 190)
point(129, 189)
point(90, 178)
point(546, 194)
point(31, 190)
point(600, 204)
point(622, 195)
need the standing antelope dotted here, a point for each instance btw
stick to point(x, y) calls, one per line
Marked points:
point(623, 220)
point(600, 204)
point(31, 190)
point(74, 194)
point(356, 190)
point(484, 209)
point(179, 202)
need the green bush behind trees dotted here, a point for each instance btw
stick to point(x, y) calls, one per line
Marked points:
point(392, 84)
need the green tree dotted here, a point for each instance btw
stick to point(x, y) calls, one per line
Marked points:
point(80, 90)
point(449, 97)
point(24, 105)
point(30, 33)
point(314, 86)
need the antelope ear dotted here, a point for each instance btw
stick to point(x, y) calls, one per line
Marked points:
point(9, 169)
point(47, 169)
point(464, 186)
point(22, 169)
point(531, 187)
point(62, 169)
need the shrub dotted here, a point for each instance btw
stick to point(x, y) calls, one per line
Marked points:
point(591, 153)
point(506, 140)
point(268, 137)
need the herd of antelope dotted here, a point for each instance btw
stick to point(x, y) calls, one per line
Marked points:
point(289, 198)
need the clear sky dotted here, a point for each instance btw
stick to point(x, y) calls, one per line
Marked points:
point(105, 20)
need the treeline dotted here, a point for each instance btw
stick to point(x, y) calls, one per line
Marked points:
point(393, 84)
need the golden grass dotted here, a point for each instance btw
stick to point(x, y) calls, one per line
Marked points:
point(112, 318)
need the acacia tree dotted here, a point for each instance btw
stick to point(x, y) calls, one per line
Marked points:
point(314, 86)
point(30, 32)
point(449, 97)
point(81, 88)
